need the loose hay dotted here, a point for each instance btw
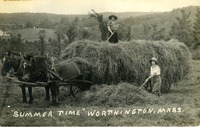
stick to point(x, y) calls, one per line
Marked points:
point(118, 95)
point(129, 61)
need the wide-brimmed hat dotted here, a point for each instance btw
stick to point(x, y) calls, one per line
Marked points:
point(110, 17)
point(153, 59)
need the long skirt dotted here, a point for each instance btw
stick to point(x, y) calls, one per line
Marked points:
point(156, 85)
point(113, 38)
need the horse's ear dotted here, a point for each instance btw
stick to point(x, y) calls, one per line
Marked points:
point(5, 53)
point(11, 56)
point(25, 54)
point(8, 53)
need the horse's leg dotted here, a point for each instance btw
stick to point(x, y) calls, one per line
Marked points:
point(54, 92)
point(23, 94)
point(57, 92)
point(30, 95)
point(47, 93)
point(53, 95)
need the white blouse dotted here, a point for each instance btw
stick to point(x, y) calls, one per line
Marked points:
point(155, 69)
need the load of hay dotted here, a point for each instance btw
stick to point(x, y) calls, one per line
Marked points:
point(129, 61)
point(116, 96)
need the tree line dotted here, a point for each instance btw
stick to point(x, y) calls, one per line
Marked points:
point(148, 27)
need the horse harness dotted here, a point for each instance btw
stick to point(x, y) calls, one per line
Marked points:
point(20, 70)
point(29, 62)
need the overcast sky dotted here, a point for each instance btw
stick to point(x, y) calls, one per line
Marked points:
point(83, 6)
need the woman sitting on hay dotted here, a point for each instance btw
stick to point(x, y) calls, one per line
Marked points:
point(155, 76)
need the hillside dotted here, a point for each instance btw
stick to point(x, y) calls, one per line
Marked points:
point(163, 17)
point(137, 20)
point(32, 34)
point(162, 20)
point(124, 15)
point(22, 18)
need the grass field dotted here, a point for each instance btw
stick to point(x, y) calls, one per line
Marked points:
point(179, 107)
point(32, 34)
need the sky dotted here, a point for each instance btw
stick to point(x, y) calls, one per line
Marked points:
point(83, 6)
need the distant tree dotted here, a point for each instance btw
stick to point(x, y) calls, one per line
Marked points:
point(64, 20)
point(146, 28)
point(20, 26)
point(19, 42)
point(124, 32)
point(53, 47)
point(42, 41)
point(102, 25)
point(3, 47)
point(46, 24)
point(83, 19)
point(19, 38)
point(29, 24)
point(76, 20)
point(154, 32)
point(59, 35)
point(84, 34)
point(128, 34)
point(158, 33)
point(13, 44)
point(59, 44)
point(196, 31)
point(71, 30)
point(181, 30)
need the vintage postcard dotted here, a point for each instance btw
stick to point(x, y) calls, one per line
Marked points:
point(99, 63)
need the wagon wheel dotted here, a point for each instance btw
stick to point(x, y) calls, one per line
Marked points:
point(75, 91)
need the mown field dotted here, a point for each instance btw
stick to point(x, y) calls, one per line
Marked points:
point(121, 104)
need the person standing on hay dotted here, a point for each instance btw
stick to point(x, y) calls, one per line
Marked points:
point(112, 28)
point(155, 76)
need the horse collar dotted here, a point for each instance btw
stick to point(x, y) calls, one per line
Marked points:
point(20, 69)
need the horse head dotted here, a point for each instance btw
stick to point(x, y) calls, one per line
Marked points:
point(35, 68)
point(12, 60)
point(7, 63)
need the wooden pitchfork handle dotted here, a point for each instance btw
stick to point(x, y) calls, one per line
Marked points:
point(111, 35)
point(143, 84)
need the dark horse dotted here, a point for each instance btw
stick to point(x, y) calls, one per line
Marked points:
point(34, 69)
point(72, 70)
point(64, 71)
point(29, 69)
point(16, 62)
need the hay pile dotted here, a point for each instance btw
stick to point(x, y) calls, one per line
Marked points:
point(129, 61)
point(122, 94)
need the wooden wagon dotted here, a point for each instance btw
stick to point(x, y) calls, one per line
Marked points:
point(76, 86)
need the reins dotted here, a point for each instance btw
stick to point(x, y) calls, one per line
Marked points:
point(21, 67)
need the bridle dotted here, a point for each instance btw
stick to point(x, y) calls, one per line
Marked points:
point(21, 68)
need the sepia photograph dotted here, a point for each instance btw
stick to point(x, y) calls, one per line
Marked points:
point(99, 63)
